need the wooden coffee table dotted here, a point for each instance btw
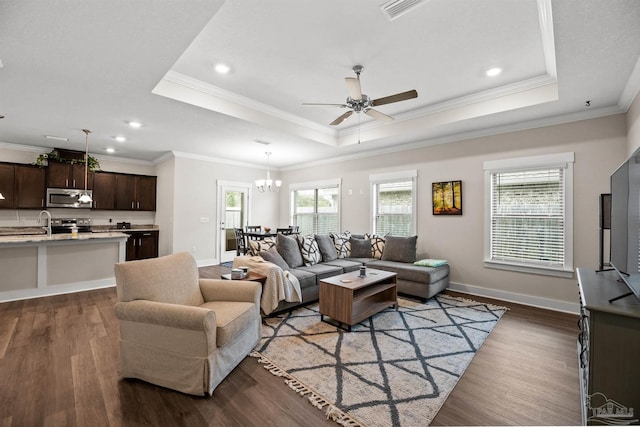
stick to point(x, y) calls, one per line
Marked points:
point(349, 298)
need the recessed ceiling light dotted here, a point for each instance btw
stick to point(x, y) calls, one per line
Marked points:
point(120, 138)
point(222, 68)
point(135, 125)
point(110, 150)
point(492, 72)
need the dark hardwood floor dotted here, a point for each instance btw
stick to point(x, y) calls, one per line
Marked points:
point(58, 358)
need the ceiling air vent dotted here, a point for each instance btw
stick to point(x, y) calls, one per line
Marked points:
point(395, 8)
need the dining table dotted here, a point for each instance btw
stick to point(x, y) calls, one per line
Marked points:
point(259, 235)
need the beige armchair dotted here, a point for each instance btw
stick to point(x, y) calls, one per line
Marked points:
point(179, 331)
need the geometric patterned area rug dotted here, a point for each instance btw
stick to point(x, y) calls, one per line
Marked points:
point(395, 369)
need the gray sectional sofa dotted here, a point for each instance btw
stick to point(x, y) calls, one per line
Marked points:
point(313, 258)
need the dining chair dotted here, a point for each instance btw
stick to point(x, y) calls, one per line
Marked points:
point(241, 242)
point(253, 228)
point(285, 231)
point(295, 229)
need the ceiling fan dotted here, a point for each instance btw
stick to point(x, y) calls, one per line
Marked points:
point(358, 102)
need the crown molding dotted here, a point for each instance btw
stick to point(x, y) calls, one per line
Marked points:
point(232, 104)
point(20, 147)
point(457, 103)
point(631, 89)
point(464, 136)
point(210, 159)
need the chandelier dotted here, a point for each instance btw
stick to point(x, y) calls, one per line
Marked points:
point(268, 184)
point(86, 197)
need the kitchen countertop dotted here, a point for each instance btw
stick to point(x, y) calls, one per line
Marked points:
point(108, 228)
point(37, 238)
point(31, 231)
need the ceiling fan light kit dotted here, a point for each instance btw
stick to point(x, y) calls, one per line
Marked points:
point(358, 102)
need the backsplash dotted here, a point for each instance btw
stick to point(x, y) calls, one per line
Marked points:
point(28, 218)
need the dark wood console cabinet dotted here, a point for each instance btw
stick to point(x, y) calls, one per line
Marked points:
point(608, 350)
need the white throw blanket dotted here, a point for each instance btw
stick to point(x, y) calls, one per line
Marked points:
point(279, 286)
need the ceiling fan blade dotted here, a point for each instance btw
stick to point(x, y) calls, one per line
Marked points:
point(341, 118)
point(378, 115)
point(353, 87)
point(316, 104)
point(403, 96)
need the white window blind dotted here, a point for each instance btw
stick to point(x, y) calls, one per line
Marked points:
point(529, 215)
point(316, 210)
point(394, 204)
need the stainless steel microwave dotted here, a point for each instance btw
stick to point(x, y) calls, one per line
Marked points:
point(66, 198)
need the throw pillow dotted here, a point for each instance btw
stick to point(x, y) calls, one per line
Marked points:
point(430, 262)
point(255, 246)
point(402, 249)
point(309, 250)
point(287, 247)
point(327, 248)
point(341, 242)
point(274, 257)
point(377, 245)
point(360, 248)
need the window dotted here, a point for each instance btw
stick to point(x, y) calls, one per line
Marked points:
point(394, 203)
point(529, 214)
point(315, 207)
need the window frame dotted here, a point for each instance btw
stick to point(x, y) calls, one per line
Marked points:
point(316, 185)
point(391, 177)
point(560, 160)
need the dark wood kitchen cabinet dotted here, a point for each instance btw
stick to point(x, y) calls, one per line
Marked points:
point(7, 185)
point(67, 175)
point(135, 192)
point(104, 190)
point(146, 193)
point(30, 187)
point(142, 245)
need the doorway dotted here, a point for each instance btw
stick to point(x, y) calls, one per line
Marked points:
point(234, 213)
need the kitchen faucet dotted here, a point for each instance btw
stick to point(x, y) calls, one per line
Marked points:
point(48, 227)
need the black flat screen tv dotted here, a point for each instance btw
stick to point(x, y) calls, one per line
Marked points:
point(625, 223)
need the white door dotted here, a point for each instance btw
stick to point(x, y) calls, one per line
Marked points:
point(234, 213)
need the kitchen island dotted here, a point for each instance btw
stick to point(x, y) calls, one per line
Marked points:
point(37, 265)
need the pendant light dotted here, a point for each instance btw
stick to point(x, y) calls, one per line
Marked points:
point(85, 197)
point(268, 184)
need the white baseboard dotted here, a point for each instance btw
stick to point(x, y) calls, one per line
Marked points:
point(547, 303)
point(20, 294)
point(207, 262)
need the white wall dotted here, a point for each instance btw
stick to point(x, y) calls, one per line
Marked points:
point(195, 197)
point(599, 146)
point(633, 126)
point(165, 204)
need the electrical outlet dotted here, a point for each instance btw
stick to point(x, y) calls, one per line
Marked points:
point(193, 249)
point(204, 219)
